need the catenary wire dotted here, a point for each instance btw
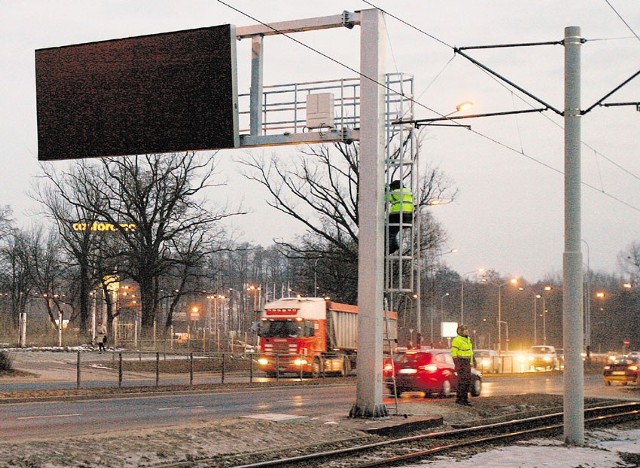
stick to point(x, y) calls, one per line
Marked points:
point(524, 101)
point(482, 135)
point(621, 19)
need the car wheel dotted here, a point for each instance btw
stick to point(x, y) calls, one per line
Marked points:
point(607, 383)
point(445, 390)
point(476, 387)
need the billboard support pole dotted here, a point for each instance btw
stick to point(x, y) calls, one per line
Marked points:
point(371, 215)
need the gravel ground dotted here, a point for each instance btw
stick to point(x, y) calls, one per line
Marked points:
point(243, 437)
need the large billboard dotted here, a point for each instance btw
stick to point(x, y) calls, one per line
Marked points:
point(148, 94)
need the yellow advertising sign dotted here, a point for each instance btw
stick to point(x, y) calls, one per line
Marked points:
point(111, 282)
point(99, 226)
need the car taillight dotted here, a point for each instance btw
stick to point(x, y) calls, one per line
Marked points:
point(633, 368)
point(388, 367)
point(429, 368)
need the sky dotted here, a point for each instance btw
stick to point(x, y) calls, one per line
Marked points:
point(508, 215)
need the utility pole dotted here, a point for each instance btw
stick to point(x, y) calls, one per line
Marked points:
point(572, 265)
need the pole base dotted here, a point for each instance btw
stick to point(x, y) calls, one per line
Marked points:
point(371, 412)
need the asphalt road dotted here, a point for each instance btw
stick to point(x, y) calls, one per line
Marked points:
point(54, 370)
point(21, 421)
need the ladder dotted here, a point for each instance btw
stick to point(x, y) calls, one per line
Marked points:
point(389, 348)
point(401, 164)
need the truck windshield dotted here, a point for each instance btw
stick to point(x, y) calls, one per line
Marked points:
point(280, 329)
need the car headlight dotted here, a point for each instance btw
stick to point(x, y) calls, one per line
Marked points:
point(263, 361)
point(300, 362)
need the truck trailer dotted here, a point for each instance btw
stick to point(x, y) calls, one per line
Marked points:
point(311, 336)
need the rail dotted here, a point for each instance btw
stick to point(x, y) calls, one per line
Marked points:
point(398, 450)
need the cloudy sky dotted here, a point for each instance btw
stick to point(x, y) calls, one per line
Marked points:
point(509, 170)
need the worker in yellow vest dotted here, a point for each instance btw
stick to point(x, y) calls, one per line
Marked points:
point(400, 211)
point(462, 353)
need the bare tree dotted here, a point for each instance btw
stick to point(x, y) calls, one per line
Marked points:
point(14, 275)
point(319, 188)
point(84, 246)
point(152, 203)
point(43, 255)
point(629, 261)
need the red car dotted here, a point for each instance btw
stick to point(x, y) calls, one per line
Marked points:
point(623, 369)
point(430, 371)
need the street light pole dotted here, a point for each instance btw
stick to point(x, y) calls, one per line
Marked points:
point(512, 281)
point(535, 318)
point(442, 307)
point(506, 324)
point(587, 307)
point(480, 270)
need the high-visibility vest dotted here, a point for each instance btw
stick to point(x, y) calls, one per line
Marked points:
point(400, 201)
point(461, 347)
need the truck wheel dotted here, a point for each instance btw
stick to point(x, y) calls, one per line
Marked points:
point(316, 369)
point(346, 367)
point(445, 390)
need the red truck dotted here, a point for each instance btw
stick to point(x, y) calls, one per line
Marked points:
point(311, 336)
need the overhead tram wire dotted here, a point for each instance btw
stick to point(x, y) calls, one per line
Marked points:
point(328, 57)
point(419, 104)
point(524, 101)
point(621, 19)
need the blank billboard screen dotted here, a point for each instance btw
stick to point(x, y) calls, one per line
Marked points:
point(159, 93)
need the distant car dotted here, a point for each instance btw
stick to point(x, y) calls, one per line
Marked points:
point(543, 357)
point(623, 370)
point(430, 371)
point(487, 360)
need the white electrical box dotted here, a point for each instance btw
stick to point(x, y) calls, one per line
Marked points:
point(320, 110)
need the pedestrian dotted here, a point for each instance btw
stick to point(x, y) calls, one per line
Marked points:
point(462, 353)
point(401, 209)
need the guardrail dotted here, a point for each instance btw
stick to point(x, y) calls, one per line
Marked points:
point(141, 369)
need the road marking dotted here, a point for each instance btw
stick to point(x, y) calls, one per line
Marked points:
point(180, 407)
point(51, 416)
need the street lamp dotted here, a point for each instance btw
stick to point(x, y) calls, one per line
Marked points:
point(254, 290)
point(535, 318)
point(442, 307)
point(506, 324)
point(512, 281)
point(479, 270)
point(544, 316)
point(587, 307)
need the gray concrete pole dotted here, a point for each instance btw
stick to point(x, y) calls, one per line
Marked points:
point(255, 97)
point(499, 319)
point(371, 214)
point(572, 287)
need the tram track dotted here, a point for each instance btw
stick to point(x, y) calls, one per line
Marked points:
point(396, 451)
